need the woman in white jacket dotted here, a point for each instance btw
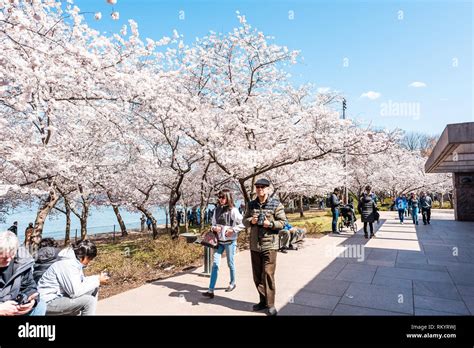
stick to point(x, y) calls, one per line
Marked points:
point(64, 287)
point(227, 223)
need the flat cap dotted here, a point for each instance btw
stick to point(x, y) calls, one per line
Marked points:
point(262, 182)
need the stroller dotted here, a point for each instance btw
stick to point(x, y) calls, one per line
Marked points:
point(348, 218)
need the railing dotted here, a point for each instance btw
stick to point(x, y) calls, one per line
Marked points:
point(106, 230)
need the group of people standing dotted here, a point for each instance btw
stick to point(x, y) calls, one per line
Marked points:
point(367, 208)
point(414, 205)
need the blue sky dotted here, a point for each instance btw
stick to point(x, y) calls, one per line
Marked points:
point(351, 46)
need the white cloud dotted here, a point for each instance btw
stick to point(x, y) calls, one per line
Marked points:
point(417, 84)
point(371, 95)
point(324, 89)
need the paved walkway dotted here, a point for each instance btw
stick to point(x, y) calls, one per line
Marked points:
point(427, 270)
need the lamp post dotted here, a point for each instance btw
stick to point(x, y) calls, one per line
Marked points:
point(345, 192)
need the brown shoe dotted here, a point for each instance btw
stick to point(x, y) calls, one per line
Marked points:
point(259, 306)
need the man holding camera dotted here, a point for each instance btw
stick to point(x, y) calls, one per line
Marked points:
point(265, 217)
point(18, 293)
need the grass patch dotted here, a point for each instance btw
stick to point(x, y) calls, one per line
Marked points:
point(316, 222)
point(137, 259)
point(134, 261)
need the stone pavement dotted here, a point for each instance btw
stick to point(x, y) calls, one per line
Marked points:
point(405, 270)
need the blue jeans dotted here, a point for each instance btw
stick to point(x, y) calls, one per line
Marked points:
point(230, 252)
point(335, 216)
point(414, 214)
point(39, 310)
point(401, 214)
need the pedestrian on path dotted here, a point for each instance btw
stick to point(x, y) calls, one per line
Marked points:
point(335, 204)
point(414, 206)
point(367, 210)
point(148, 224)
point(426, 203)
point(401, 206)
point(227, 223)
point(265, 216)
point(404, 196)
point(14, 228)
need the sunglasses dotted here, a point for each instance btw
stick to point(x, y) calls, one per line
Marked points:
point(259, 187)
point(220, 197)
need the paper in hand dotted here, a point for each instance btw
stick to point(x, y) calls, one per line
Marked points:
point(222, 233)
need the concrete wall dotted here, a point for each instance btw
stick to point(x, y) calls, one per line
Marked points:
point(464, 196)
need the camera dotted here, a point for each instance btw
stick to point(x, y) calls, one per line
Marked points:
point(261, 219)
point(22, 298)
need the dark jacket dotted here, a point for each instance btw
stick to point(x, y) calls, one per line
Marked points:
point(426, 202)
point(414, 203)
point(13, 229)
point(367, 208)
point(262, 239)
point(46, 257)
point(21, 277)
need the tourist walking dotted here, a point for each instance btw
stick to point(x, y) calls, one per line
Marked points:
point(426, 202)
point(367, 209)
point(414, 206)
point(401, 206)
point(265, 216)
point(227, 223)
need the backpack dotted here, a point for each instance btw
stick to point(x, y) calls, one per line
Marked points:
point(328, 202)
point(46, 257)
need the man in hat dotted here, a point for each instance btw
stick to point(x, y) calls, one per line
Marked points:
point(265, 217)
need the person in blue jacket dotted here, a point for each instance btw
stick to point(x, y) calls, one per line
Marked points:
point(401, 206)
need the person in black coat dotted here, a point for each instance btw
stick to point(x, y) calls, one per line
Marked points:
point(367, 209)
point(18, 290)
point(14, 228)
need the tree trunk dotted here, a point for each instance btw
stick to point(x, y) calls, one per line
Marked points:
point(301, 207)
point(115, 207)
point(41, 216)
point(123, 228)
point(175, 195)
point(441, 202)
point(149, 215)
point(167, 220)
point(245, 193)
point(83, 220)
point(67, 236)
point(185, 219)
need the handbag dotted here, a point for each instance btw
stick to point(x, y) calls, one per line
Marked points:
point(210, 240)
point(377, 216)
